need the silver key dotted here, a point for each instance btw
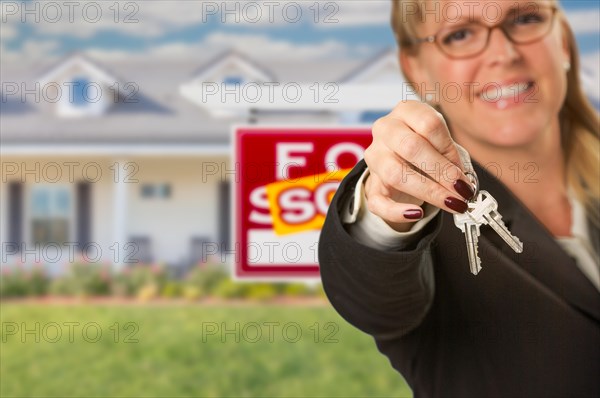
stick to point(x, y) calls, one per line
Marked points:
point(485, 211)
point(470, 227)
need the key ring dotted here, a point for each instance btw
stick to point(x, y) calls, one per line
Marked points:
point(474, 180)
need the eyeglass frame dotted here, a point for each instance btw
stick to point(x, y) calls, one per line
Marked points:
point(433, 38)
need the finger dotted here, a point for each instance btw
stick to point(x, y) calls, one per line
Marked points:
point(403, 178)
point(374, 185)
point(430, 124)
point(396, 208)
point(393, 212)
point(419, 152)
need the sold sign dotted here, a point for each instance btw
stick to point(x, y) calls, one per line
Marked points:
point(288, 177)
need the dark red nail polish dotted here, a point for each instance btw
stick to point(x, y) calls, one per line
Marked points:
point(464, 189)
point(413, 214)
point(456, 204)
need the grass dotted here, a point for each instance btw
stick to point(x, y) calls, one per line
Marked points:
point(184, 350)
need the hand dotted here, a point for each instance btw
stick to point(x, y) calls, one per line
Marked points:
point(413, 160)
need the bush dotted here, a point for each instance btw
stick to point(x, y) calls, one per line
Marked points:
point(206, 277)
point(261, 291)
point(132, 279)
point(297, 289)
point(18, 282)
point(61, 287)
point(89, 279)
point(37, 281)
point(191, 292)
point(171, 289)
point(13, 284)
point(148, 292)
point(230, 289)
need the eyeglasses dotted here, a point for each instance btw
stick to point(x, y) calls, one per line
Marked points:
point(471, 39)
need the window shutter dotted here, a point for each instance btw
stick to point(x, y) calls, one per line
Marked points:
point(15, 213)
point(84, 213)
point(224, 221)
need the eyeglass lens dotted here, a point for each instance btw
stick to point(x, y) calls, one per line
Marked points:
point(469, 39)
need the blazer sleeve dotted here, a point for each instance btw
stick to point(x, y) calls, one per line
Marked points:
point(383, 293)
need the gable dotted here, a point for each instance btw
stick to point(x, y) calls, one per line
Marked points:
point(232, 67)
point(384, 68)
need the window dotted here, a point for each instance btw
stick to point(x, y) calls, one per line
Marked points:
point(50, 214)
point(79, 94)
point(147, 191)
point(155, 191)
point(84, 98)
point(233, 80)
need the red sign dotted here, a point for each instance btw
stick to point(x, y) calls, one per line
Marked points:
point(287, 177)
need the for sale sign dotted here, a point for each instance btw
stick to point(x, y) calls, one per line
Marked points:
point(287, 178)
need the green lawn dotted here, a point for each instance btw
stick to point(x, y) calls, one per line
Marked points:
point(184, 350)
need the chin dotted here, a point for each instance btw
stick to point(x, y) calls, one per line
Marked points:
point(512, 137)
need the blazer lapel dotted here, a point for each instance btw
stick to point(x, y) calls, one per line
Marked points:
point(542, 256)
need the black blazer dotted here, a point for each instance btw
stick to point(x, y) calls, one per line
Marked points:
point(527, 326)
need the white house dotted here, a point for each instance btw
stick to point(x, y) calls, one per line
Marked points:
point(110, 160)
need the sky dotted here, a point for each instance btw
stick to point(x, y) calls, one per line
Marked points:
point(43, 32)
point(307, 29)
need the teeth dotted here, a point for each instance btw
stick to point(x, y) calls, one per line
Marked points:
point(503, 92)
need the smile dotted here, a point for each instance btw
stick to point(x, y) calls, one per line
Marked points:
point(512, 91)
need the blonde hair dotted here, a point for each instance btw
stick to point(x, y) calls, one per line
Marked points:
point(579, 121)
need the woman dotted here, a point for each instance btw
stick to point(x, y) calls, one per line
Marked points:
point(394, 264)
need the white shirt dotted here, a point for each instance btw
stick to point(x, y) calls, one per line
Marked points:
point(372, 231)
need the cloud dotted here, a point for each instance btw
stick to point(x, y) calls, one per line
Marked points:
point(263, 46)
point(258, 46)
point(8, 32)
point(590, 74)
point(38, 51)
point(354, 13)
point(584, 21)
point(157, 18)
point(142, 18)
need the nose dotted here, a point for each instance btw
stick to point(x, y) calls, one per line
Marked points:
point(500, 48)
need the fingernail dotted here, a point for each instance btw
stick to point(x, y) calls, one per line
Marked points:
point(413, 214)
point(456, 204)
point(464, 189)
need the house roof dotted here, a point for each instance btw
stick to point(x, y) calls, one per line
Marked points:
point(79, 60)
point(371, 64)
point(160, 113)
point(233, 55)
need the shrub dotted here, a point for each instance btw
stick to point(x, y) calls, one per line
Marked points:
point(297, 289)
point(37, 281)
point(13, 283)
point(148, 292)
point(61, 287)
point(191, 292)
point(261, 291)
point(230, 289)
point(206, 277)
point(171, 289)
point(19, 282)
point(89, 279)
point(132, 279)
